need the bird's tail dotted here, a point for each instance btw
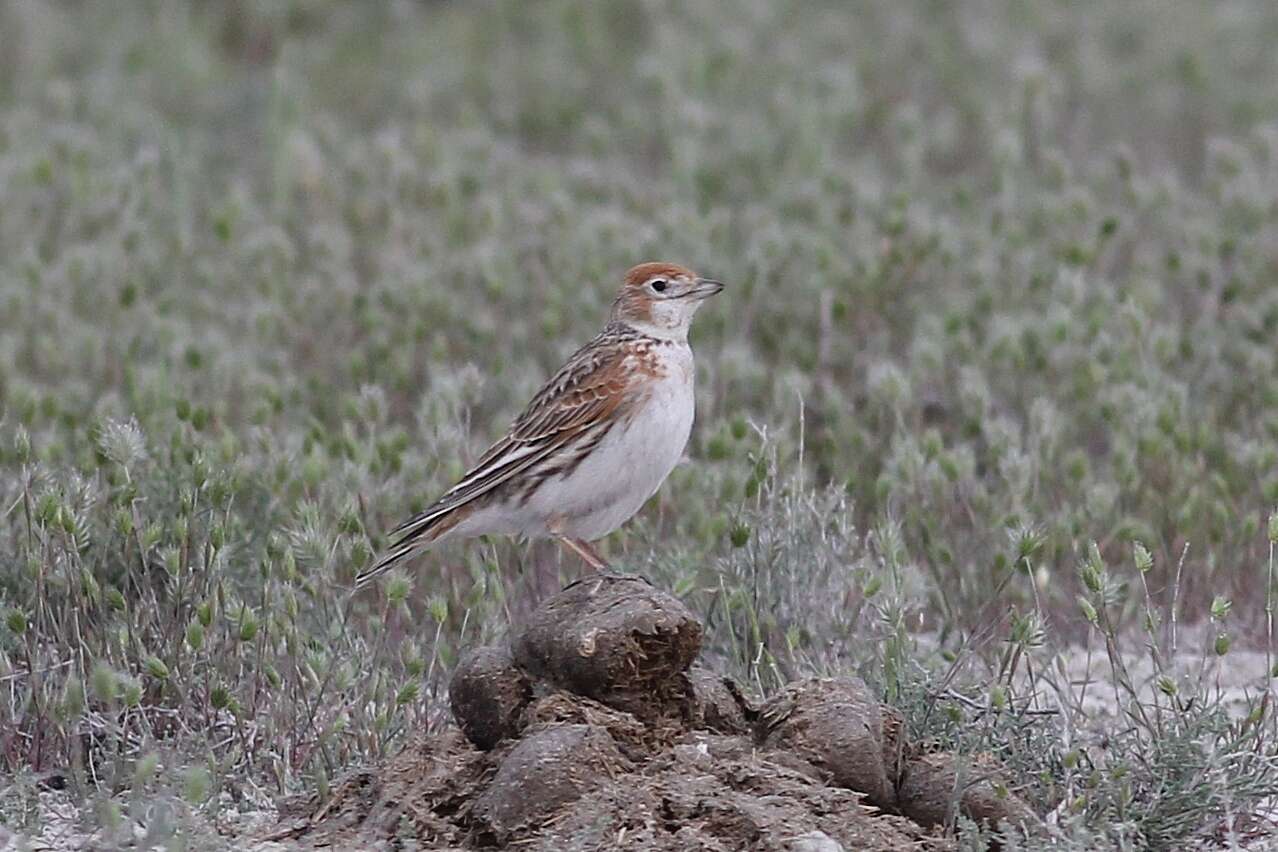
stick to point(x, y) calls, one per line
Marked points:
point(411, 537)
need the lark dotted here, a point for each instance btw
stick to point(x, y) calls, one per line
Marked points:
point(595, 442)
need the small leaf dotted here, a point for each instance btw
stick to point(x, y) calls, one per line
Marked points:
point(16, 621)
point(195, 635)
point(1144, 561)
point(196, 784)
point(407, 694)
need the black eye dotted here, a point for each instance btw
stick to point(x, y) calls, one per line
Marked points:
point(659, 284)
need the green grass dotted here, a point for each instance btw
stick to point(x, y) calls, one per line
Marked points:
point(1001, 303)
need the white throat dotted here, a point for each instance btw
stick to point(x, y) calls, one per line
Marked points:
point(673, 333)
point(668, 319)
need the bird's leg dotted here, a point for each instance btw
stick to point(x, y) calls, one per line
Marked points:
point(586, 551)
point(600, 563)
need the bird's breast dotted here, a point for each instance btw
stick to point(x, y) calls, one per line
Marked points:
point(661, 423)
point(605, 486)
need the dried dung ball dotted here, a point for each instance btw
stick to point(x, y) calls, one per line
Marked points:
point(716, 702)
point(614, 638)
point(835, 725)
point(934, 784)
point(488, 692)
point(549, 768)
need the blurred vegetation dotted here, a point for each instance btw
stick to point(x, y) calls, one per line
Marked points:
point(272, 273)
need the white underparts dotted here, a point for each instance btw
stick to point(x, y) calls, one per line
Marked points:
point(611, 484)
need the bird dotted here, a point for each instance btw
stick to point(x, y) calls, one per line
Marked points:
point(595, 442)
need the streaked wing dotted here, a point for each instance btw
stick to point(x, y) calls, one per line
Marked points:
point(587, 390)
point(574, 405)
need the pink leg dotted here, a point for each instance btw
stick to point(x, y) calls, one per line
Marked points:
point(586, 551)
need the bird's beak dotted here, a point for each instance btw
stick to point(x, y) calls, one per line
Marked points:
point(704, 288)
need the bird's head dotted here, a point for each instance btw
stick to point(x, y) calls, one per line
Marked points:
point(660, 298)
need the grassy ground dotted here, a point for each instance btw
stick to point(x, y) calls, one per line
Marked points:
point(995, 377)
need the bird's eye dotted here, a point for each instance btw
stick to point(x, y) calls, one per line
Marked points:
point(658, 284)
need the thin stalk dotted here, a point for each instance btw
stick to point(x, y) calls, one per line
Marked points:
point(1269, 618)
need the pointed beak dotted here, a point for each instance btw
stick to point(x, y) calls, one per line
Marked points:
point(704, 288)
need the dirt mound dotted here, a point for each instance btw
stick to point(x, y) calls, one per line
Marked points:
point(595, 729)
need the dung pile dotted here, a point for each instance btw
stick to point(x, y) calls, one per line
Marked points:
point(595, 728)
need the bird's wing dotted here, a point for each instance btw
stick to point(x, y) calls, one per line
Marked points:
point(579, 403)
point(584, 394)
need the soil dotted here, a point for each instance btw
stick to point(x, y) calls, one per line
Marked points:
point(594, 728)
